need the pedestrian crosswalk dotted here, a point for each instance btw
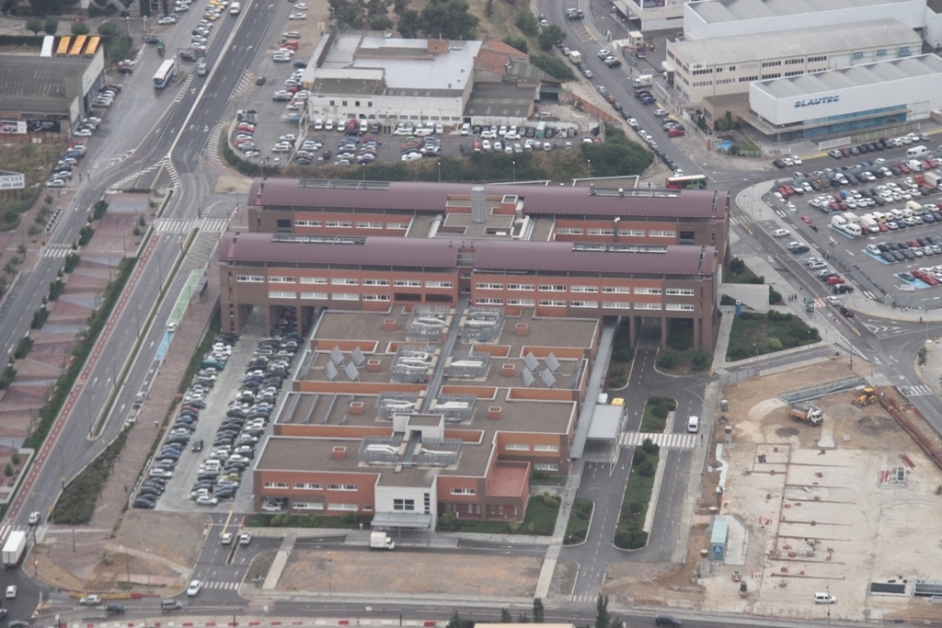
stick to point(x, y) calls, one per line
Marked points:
point(56, 250)
point(173, 225)
point(5, 530)
point(915, 391)
point(228, 586)
point(586, 597)
point(669, 441)
point(868, 294)
point(215, 225)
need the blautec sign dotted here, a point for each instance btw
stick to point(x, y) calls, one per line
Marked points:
point(817, 101)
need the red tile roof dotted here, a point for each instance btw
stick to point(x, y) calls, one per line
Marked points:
point(489, 255)
point(538, 200)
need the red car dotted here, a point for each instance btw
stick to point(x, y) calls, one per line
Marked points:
point(806, 220)
point(904, 169)
point(676, 133)
point(883, 228)
point(833, 281)
point(929, 279)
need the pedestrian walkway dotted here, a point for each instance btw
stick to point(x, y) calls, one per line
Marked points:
point(173, 225)
point(227, 586)
point(56, 250)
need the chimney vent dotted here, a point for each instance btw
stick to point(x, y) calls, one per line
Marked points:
point(478, 206)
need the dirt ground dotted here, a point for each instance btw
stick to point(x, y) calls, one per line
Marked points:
point(161, 549)
point(816, 519)
point(824, 519)
point(428, 574)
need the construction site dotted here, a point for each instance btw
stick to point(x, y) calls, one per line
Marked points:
point(821, 501)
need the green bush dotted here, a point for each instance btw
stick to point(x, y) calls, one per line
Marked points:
point(447, 523)
point(71, 261)
point(667, 361)
point(550, 36)
point(40, 317)
point(101, 206)
point(650, 447)
point(519, 43)
point(23, 347)
point(527, 23)
point(629, 533)
point(701, 360)
point(623, 355)
point(579, 518)
point(553, 66)
point(85, 235)
point(617, 378)
point(7, 376)
point(616, 156)
point(55, 289)
point(81, 28)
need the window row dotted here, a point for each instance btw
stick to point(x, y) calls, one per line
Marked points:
point(603, 231)
point(308, 486)
point(526, 447)
point(343, 224)
point(346, 281)
point(583, 289)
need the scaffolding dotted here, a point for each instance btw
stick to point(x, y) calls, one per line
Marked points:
point(820, 390)
point(455, 408)
point(390, 404)
point(468, 365)
point(481, 324)
point(427, 323)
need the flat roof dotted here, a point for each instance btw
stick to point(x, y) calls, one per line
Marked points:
point(794, 43)
point(34, 84)
point(719, 11)
point(489, 255)
point(500, 99)
point(882, 72)
point(538, 200)
point(409, 68)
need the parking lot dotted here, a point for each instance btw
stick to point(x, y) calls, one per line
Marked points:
point(210, 445)
point(876, 215)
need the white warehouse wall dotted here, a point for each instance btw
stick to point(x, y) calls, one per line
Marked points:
point(932, 34)
point(837, 102)
point(384, 496)
point(911, 13)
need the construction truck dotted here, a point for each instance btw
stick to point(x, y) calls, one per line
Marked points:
point(867, 396)
point(810, 414)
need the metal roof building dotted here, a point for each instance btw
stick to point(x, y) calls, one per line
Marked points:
point(726, 65)
point(709, 19)
point(865, 96)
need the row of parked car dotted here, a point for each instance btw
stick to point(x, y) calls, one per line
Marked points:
point(863, 173)
point(233, 449)
point(931, 275)
point(62, 172)
point(916, 248)
point(881, 144)
point(177, 439)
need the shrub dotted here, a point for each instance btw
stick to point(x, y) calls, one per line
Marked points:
point(8, 471)
point(23, 347)
point(517, 42)
point(623, 355)
point(101, 206)
point(617, 378)
point(81, 28)
point(646, 469)
point(553, 66)
point(447, 522)
point(526, 22)
point(737, 266)
point(650, 447)
point(6, 378)
point(550, 500)
point(76, 504)
point(55, 289)
point(668, 361)
point(16, 459)
point(40, 317)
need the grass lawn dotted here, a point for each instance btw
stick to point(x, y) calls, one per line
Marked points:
point(579, 518)
point(543, 478)
point(760, 334)
point(264, 519)
point(35, 161)
point(656, 409)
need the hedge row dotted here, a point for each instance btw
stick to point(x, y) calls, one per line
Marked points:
point(76, 505)
point(634, 508)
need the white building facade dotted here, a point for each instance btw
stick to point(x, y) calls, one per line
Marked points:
point(725, 66)
point(848, 100)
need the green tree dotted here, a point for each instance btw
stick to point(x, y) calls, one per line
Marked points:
point(108, 31)
point(8, 471)
point(449, 19)
point(489, 8)
point(380, 22)
point(526, 22)
point(538, 611)
point(399, 6)
point(505, 617)
point(80, 28)
point(410, 23)
point(457, 622)
point(50, 26)
point(517, 42)
point(921, 355)
point(34, 24)
point(127, 3)
point(551, 36)
point(602, 617)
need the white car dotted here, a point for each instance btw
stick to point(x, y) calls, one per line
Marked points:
point(298, 16)
point(632, 123)
point(245, 538)
point(411, 156)
point(465, 128)
point(11, 592)
point(780, 233)
point(485, 144)
point(90, 600)
point(168, 19)
point(34, 518)
point(206, 500)
point(282, 58)
point(796, 160)
point(194, 588)
point(225, 538)
point(301, 6)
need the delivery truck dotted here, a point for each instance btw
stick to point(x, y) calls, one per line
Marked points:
point(810, 414)
point(576, 57)
point(933, 179)
point(381, 540)
point(643, 81)
point(13, 549)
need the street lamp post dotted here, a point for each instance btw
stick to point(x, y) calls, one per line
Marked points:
point(137, 317)
point(114, 366)
point(514, 165)
point(588, 166)
point(330, 588)
point(439, 172)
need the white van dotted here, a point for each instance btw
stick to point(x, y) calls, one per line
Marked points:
point(234, 8)
point(917, 151)
point(824, 598)
point(693, 424)
point(364, 127)
point(852, 229)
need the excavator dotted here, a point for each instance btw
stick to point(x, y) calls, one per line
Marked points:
point(867, 396)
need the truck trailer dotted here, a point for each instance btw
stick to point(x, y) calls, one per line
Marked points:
point(643, 81)
point(576, 57)
point(14, 547)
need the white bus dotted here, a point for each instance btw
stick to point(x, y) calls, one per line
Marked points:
point(164, 74)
